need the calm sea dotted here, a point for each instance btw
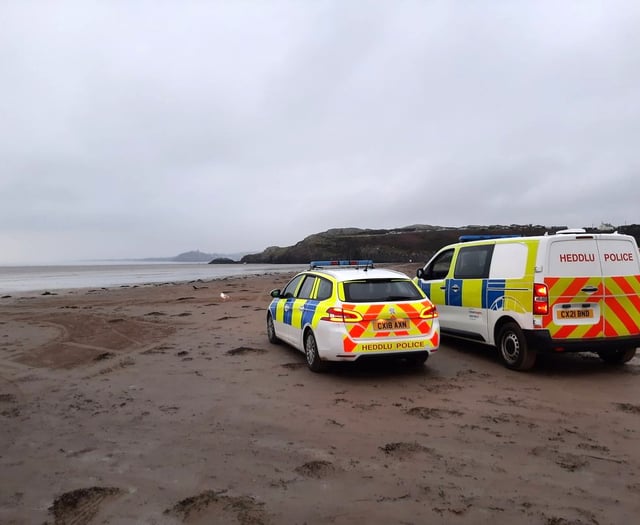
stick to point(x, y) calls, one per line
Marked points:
point(105, 275)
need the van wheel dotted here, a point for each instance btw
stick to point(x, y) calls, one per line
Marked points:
point(271, 331)
point(618, 357)
point(513, 348)
point(314, 362)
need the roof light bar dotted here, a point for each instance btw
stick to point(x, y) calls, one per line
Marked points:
point(357, 263)
point(467, 238)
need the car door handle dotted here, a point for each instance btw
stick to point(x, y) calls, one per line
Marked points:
point(589, 289)
point(443, 287)
point(455, 288)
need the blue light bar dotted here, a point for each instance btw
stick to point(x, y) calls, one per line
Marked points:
point(357, 263)
point(467, 238)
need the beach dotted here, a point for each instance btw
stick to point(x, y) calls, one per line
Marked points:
point(166, 404)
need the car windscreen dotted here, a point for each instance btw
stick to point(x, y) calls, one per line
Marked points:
point(380, 290)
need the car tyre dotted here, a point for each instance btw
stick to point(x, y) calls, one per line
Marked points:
point(271, 331)
point(513, 348)
point(618, 357)
point(417, 359)
point(314, 362)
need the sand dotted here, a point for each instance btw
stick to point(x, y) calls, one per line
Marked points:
point(167, 404)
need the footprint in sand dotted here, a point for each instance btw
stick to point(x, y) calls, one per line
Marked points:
point(81, 505)
point(220, 508)
point(245, 350)
point(316, 469)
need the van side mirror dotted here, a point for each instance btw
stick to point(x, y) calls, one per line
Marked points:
point(275, 293)
point(420, 273)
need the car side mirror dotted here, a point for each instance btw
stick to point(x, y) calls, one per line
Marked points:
point(275, 293)
point(420, 273)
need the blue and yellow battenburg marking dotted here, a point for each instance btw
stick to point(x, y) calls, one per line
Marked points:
point(477, 293)
point(474, 293)
point(289, 311)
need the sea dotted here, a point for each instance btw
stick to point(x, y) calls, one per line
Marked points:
point(43, 278)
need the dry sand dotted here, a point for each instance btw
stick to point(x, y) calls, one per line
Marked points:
point(167, 404)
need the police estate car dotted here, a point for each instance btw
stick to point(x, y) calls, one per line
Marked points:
point(344, 310)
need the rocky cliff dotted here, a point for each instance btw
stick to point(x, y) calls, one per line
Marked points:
point(412, 243)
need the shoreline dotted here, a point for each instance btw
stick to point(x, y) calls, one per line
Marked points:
point(113, 276)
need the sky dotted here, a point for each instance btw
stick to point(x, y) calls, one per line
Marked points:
point(133, 129)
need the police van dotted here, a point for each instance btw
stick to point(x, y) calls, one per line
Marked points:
point(571, 291)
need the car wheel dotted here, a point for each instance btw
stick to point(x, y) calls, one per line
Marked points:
point(618, 357)
point(417, 359)
point(314, 362)
point(271, 331)
point(513, 348)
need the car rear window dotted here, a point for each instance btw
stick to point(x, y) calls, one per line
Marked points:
point(380, 290)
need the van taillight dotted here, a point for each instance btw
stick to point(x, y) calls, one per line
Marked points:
point(540, 299)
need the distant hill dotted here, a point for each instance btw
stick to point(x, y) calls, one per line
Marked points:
point(197, 256)
point(416, 243)
point(194, 256)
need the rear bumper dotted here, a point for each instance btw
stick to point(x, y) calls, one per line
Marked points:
point(541, 341)
point(334, 344)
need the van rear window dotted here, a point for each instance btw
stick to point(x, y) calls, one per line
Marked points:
point(380, 290)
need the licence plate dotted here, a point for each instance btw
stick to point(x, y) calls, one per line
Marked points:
point(576, 313)
point(391, 325)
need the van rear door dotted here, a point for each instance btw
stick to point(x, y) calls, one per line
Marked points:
point(621, 285)
point(576, 293)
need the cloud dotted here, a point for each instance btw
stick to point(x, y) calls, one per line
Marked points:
point(149, 128)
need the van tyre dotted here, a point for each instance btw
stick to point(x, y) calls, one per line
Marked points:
point(513, 348)
point(314, 362)
point(271, 331)
point(618, 357)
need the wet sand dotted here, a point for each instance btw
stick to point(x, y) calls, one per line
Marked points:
point(167, 404)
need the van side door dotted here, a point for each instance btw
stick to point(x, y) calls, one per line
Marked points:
point(432, 279)
point(467, 292)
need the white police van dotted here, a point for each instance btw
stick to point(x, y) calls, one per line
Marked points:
point(570, 291)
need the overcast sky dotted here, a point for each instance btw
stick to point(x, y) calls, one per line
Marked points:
point(149, 128)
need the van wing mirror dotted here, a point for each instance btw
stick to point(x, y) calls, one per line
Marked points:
point(275, 293)
point(420, 273)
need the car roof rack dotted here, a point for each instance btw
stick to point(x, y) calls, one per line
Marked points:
point(342, 263)
point(467, 238)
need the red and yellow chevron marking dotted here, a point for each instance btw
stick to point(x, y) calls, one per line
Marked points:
point(568, 289)
point(364, 329)
point(622, 306)
point(618, 296)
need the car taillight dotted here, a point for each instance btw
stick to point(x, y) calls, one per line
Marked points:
point(340, 315)
point(429, 312)
point(540, 299)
